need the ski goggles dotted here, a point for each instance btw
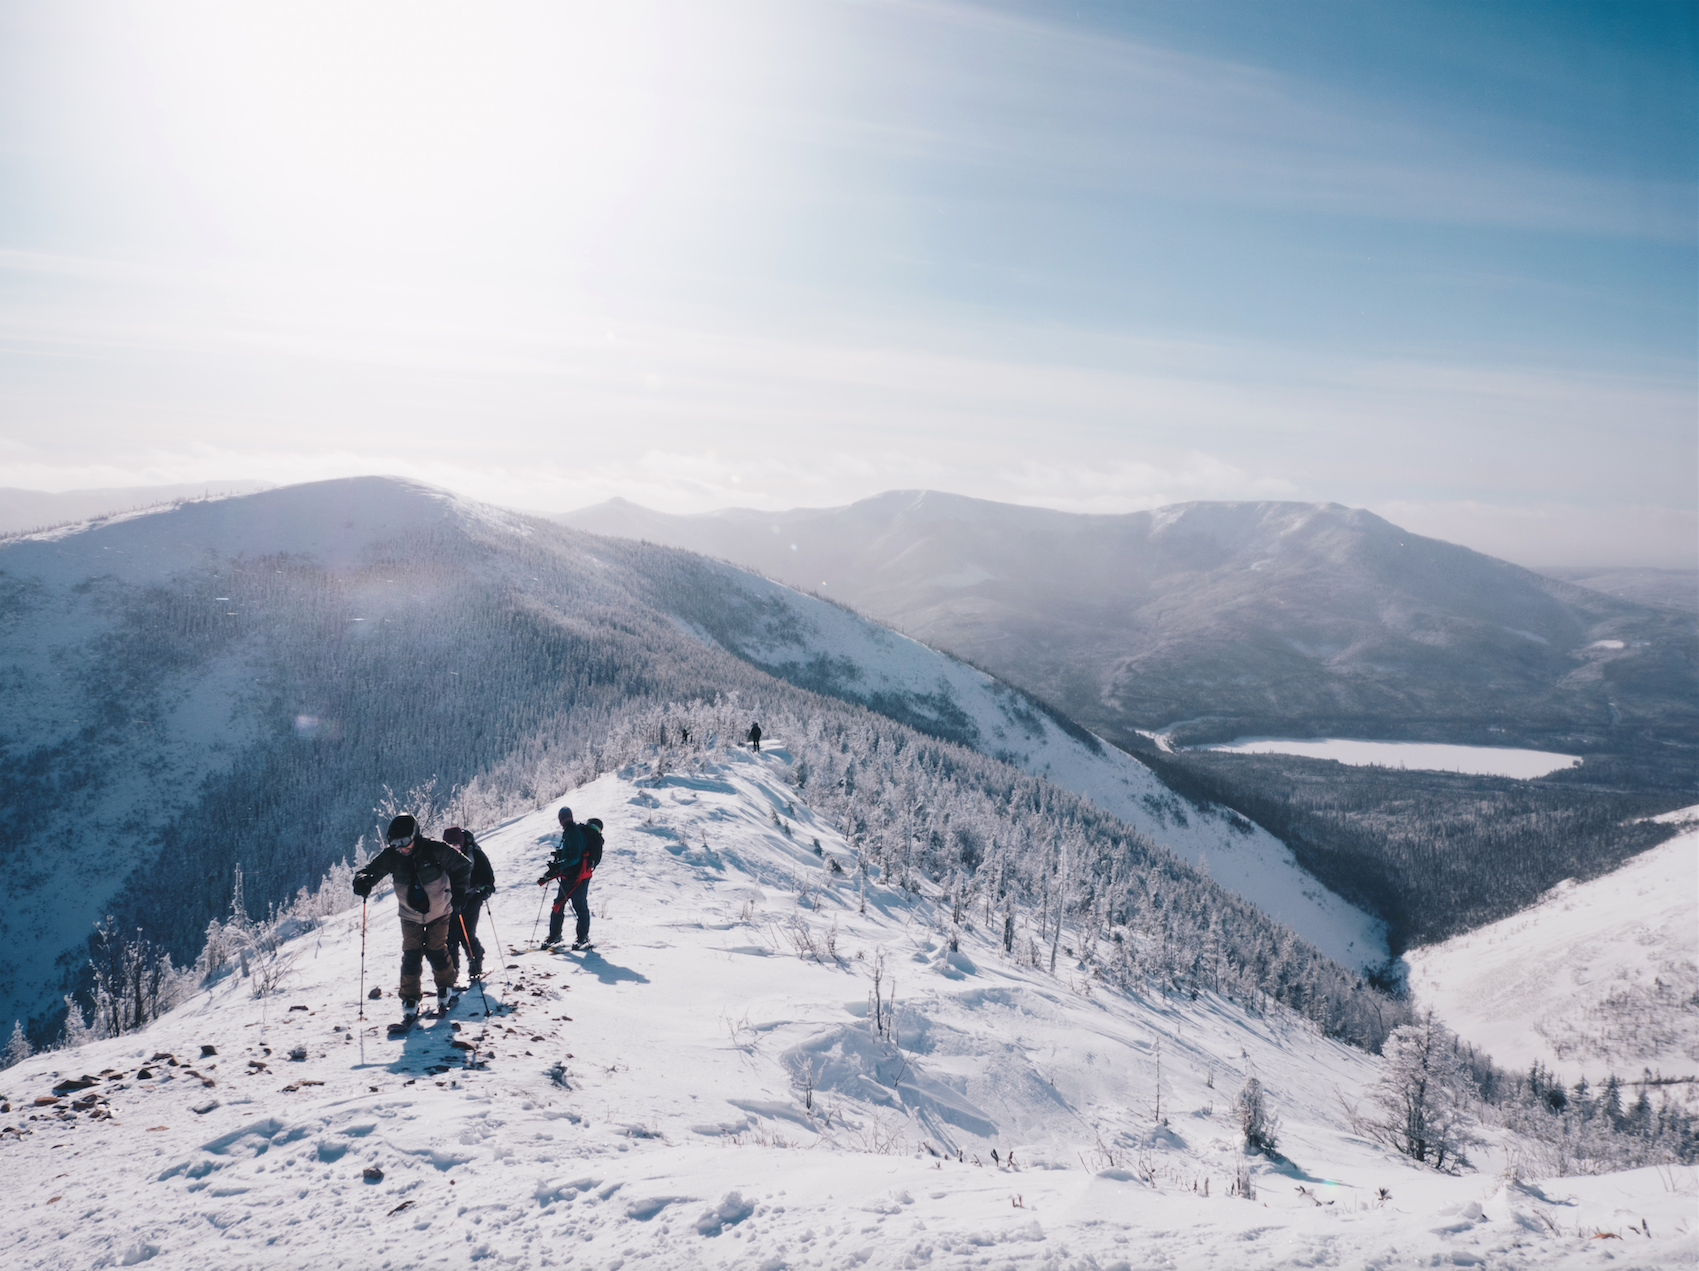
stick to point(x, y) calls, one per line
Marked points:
point(402, 844)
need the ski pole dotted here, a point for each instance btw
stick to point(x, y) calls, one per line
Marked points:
point(362, 957)
point(496, 936)
point(540, 903)
point(468, 941)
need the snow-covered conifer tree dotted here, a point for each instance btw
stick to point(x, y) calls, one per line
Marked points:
point(77, 1030)
point(17, 1049)
point(1260, 1124)
point(1421, 1100)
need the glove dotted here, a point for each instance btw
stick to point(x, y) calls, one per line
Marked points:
point(544, 880)
point(362, 886)
point(457, 904)
point(483, 893)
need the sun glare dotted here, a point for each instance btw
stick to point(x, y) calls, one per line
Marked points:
point(315, 129)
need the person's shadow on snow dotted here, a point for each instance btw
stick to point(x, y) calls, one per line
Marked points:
point(608, 972)
point(424, 1050)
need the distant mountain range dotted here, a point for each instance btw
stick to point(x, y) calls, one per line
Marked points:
point(1665, 588)
point(1214, 620)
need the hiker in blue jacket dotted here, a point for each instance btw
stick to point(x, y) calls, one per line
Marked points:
point(573, 863)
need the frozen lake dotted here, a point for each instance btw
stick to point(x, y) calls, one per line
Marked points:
point(1486, 761)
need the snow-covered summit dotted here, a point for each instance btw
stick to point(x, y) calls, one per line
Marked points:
point(333, 522)
point(706, 1088)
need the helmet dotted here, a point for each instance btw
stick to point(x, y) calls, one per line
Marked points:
point(565, 816)
point(402, 830)
point(454, 836)
point(595, 821)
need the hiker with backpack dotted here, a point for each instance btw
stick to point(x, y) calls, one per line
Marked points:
point(573, 863)
point(463, 931)
point(755, 736)
point(431, 881)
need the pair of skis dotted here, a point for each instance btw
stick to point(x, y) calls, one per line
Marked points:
point(587, 947)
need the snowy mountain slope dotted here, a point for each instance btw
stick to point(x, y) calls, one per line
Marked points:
point(232, 682)
point(825, 647)
point(1599, 977)
point(139, 673)
point(648, 1104)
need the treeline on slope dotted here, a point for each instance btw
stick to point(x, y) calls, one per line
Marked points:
point(1434, 1089)
point(1040, 870)
point(1045, 871)
point(1593, 1129)
point(1432, 853)
point(1619, 1123)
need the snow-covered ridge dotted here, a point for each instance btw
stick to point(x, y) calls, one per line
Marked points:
point(700, 1091)
point(1598, 977)
point(334, 522)
point(821, 645)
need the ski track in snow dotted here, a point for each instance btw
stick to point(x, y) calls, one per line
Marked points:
point(1243, 857)
point(642, 1105)
point(1573, 980)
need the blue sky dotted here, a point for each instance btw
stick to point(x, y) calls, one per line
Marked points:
point(1437, 260)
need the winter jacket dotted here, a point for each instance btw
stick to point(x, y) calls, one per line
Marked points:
point(579, 853)
point(430, 881)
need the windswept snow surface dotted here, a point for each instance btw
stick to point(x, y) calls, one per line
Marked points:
point(1483, 761)
point(1597, 977)
point(821, 645)
point(696, 1092)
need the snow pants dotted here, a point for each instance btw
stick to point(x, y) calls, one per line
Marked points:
point(580, 898)
point(421, 940)
point(457, 941)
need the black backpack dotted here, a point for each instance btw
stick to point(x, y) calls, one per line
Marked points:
point(593, 841)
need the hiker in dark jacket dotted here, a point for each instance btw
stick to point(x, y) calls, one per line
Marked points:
point(574, 861)
point(463, 931)
point(431, 879)
point(755, 736)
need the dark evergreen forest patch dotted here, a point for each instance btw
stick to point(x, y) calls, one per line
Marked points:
point(1433, 853)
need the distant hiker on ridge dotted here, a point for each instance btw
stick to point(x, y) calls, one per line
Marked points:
point(574, 861)
point(431, 879)
point(463, 931)
point(755, 736)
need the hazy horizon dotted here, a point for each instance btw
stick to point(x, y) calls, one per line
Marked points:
point(27, 510)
